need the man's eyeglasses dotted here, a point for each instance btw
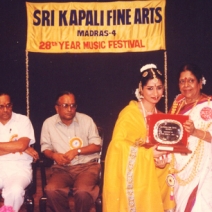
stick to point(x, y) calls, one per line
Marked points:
point(8, 106)
point(66, 106)
point(189, 81)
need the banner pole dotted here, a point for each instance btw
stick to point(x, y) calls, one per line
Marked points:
point(27, 83)
point(166, 81)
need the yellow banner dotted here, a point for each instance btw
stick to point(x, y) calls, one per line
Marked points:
point(76, 27)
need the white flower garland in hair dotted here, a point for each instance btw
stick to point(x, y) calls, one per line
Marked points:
point(203, 80)
point(147, 66)
point(138, 95)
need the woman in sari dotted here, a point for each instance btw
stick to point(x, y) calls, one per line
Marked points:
point(193, 172)
point(135, 176)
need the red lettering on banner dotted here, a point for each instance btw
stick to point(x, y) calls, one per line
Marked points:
point(115, 44)
point(69, 45)
point(125, 44)
point(94, 45)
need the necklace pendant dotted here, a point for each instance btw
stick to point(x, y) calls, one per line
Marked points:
point(170, 180)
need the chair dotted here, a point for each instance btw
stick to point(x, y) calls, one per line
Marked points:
point(30, 191)
point(46, 163)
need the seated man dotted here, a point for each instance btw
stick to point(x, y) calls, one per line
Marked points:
point(71, 139)
point(16, 134)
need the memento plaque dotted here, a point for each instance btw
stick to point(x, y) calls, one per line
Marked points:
point(167, 132)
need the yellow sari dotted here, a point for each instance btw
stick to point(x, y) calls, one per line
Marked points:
point(131, 180)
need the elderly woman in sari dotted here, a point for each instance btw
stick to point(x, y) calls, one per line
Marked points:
point(193, 172)
point(135, 176)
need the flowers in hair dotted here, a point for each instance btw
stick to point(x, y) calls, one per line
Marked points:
point(147, 66)
point(203, 80)
point(138, 95)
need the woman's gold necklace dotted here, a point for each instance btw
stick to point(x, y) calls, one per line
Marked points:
point(197, 154)
point(183, 103)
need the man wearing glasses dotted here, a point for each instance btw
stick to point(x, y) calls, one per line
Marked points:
point(16, 155)
point(71, 139)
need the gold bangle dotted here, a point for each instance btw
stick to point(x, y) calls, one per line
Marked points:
point(204, 135)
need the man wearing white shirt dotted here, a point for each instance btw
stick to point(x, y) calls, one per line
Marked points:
point(16, 155)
